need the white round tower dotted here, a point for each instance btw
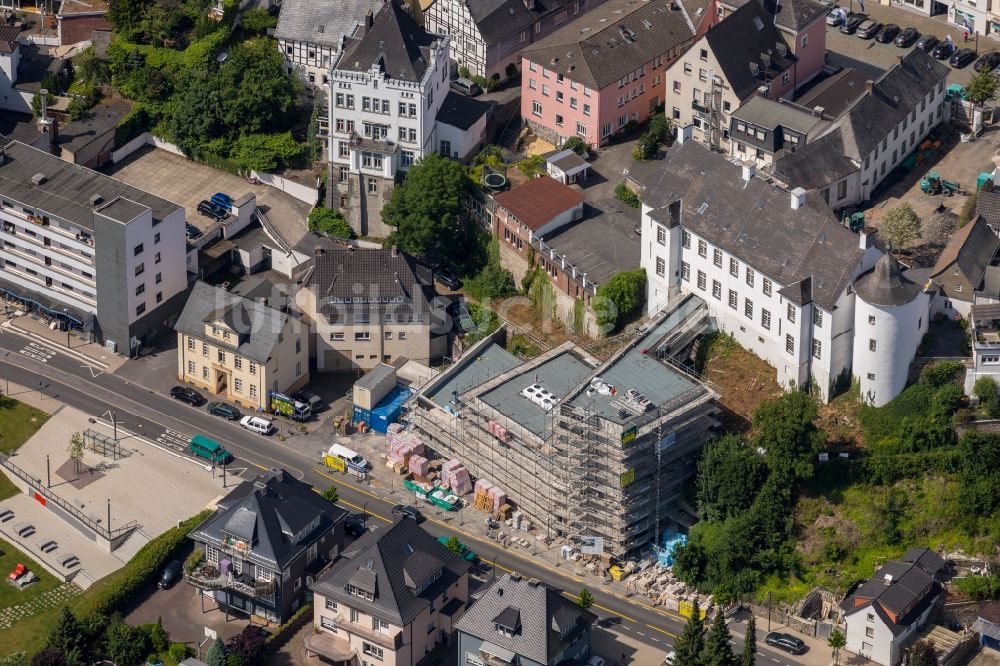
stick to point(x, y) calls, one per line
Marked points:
point(890, 318)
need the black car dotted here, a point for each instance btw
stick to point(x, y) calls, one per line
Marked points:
point(869, 29)
point(927, 43)
point(943, 50)
point(906, 37)
point(411, 512)
point(887, 33)
point(786, 642)
point(987, 62)
point(171, 574)
point(851, 23)
point(209, 209)
point(355, 526)
point(223, 410)
point(188, 395)
point(448, 279)
point(962, 58)
point(192, 231)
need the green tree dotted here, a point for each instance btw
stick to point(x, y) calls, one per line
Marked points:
point(620, 298)
point(89, 67)
point(313, 141)
point(331, 494)
point(196, 119)
point(454, 545)
point(900, 226)
point(76, 450)
point(718, 643)
point(49, 657)
point(921, 653)
point(749, 655)
point(257, 21)
point(493, 280)
point(978, 476)
point(256, 92)
point(982, 88)
point(891, 515)
point(837, 641)
point(36, 102)
point(690, 647)
point(266, 152)
point(586, 599)
point(217, 655)
point(427, 210)
point(68, 637)
point(127, 645)
point(329, 222)
point(626, 195)
point(730, 473)
point(15, 659)
point(126, 17)
point(578, 146)
point(785, 428)
point(985, 389)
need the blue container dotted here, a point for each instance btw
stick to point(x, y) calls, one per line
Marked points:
point(388, 410)
point(362, 416)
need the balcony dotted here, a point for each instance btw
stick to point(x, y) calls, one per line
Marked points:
point(210, 577)
point(330, 647)
point(391, 641)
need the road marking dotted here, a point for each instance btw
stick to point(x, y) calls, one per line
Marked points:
point(662, 631)
point(606, 610)
point(258, 466)
point(639, 633)
point(93, 375)
point(359, 508)
point(37, 352)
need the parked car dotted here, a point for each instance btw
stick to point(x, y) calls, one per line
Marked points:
point(464, 551)
point(887, 33)
point(404, 511)
point(171, 574)
point(209, 209)
point(466, 87)
point(313, 400)
point(355, 526)
point(448, 279)
point(188, 395)
point(851, 23)
point(869, 28)
point(962, 58)
point(223, 410)
point(835, 17)
point(786, 642)
point(191, 231)
point(927, 43)
point(223, 200)
point(987, 61)
point(906, 37)
point(670, 658)
point(460, 316)
point(943, 50)
point(257, 424)
point(596, 660)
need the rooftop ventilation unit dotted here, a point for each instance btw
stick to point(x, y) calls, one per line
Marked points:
point(635, 402)
point(541, 396)
point(96, 199)
point(38, 179)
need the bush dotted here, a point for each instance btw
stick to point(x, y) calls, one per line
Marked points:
point(629, 128)
point(626, 292)
point(283, 633)
point(178, 652)
point(266, 152)
point(257, 21)
point(941, 373)
point(532, 166)
point(626, 195)
point(577, 145)
point(464, 73)
point(980, 588)
point(986, 390)
point(329, 222)
point(511, 70)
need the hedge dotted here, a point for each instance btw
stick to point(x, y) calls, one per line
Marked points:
point(119, 589)
point(284, 633)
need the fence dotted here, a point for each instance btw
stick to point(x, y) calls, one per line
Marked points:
point(305, 193)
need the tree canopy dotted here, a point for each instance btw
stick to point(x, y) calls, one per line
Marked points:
point(981, 88)
point(719, 644)
point(730, 473)
point(620, 298)
point(900, 226)
point(690, 647)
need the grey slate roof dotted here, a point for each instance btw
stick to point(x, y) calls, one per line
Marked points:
point(498, 18)
point(817, 164)
point(988, 206)
point(905, 585)
point(769, 113)
point(536, 604)
point(621, 36)
point(8, 38)
point(972, 247)
point(462, 111)
point(93, 126)
point(256, 324)
point(383, 560)
point(753, 221)
point(68, 188)
point(793, 15)
point(743, 38)
point(322, 22)
point(885, 284)
point(375, 376)
point(260, 509)
point(836, 94)
point(395, 42)
point(925, 558)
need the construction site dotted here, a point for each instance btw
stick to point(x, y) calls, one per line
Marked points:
point(591, 452)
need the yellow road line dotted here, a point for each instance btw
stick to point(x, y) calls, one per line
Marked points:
point(662, 631)
point(606, 610)
point(355, 506)
point(259, 466)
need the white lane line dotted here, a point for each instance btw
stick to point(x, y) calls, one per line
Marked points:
point(639, 633)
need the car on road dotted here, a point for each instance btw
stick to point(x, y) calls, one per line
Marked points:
point(448, 279)
point(962, 58)
point(355, 526)
point(464, 551)
point(835, 17)
point(257, 424)
point(223, 410)
point(927, 43)
point(404, 511)
point(851, 23)
point(887, 33)
point(171, 574)
point(224, 201)
point(906, 37)
point(191, 231)
point(869, 29)
point(943, 50)
point(988, 61)
point(209, 209)
point(786, 642)
point(188, 395)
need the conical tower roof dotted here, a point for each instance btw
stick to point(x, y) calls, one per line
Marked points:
point(886, 285)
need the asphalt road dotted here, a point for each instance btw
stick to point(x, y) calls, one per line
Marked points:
point(169, 423)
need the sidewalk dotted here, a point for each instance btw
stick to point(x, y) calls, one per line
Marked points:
point(68, 342)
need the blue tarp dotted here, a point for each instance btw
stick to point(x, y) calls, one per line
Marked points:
point(388, 410)
point(361, 416)
point(670, 541)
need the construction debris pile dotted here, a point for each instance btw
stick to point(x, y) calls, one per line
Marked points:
point(662, 589)
point(456, 477)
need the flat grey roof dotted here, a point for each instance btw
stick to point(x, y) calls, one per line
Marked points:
point(471, 371)
point(559, 374)
point(122, 210)
point(770, 113)
point(639, 369)
point(68, 188)
point(602, 243)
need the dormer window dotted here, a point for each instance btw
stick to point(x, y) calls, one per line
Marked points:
point(358, 592)
point(505, 631)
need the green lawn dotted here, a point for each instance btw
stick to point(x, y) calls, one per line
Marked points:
point(18, 422)
point(10, 557)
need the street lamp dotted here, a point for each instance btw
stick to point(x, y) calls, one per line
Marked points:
point(364, 509)
point(5, 373)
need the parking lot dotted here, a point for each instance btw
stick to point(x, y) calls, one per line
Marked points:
point(182, 181)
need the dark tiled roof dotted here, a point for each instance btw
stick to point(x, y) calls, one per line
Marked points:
point(262, 509)
point(791, 14)
point(462, 111)
point(816, 164)
point(384, 560)
point(621, 36)
point(498, 18)
point(322, 22)
point(8, 38)
point(753, 221)
point(988, 206)
point(991, 612)
point(925, 558)
point(535, 605)
point(896, 586)
point(770, 113)
point(395, 42)
point(972, 247)
point(836, 94)
point(539, 200)
point(885, 284)
point(94, 124)
point(742, 39)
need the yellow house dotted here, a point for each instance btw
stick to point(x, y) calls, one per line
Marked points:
point(239, 349)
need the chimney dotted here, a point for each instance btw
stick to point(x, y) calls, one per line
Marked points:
point(819, 111)
point(530, 5)
point(684, 133)
point(369, 20)
point(866, 238)
point(319, 252)
point(749, 171)
point(888, 579)
point(765, 61)
point(870, 86)
point(798, 198)
point(395, 251)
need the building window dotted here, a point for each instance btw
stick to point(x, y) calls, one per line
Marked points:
point(817, 348)
point(191, 344)
point(702, 280)
point(791, 313)
point(159, 278)
point(336, 335)
point(298, 369)
point(871, 344)
point(732, 299)
point(841, 190)
point(734, 268)
point(221, 356)
point(559, 120)
point(767, 287)
point(140, 289)
point(191, 367)
point(871, 319)
point(702, 249)
point(703, 54)
point(156, 237)
point(818, 317)
point(748, 308)
point(717, 257)
point(204, 372)
point(717, 289)
point(140, 269)
point(750, 277)
point(253, 368)
point(765, 319)
point(586, 109)
point(686, 240)
point(137, 250)
point(661, 235)
point(372, 186)
point(253, 390)
point(685, 271)
point(139, 310)
point(372, 650)
point(238, 362)
point(204, 349)
point(870, 632)
point(238, 385)
point(661, 266)
point(789, 344)
point(159, 297)
point(536, 109)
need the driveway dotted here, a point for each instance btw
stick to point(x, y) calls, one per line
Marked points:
point(184, 182)
point(180, 608)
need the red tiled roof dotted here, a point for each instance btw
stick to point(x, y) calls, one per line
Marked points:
point(538, 201)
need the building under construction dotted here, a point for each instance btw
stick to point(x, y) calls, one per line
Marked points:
point(585, 448)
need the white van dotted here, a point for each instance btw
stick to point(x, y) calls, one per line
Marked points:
point(346, 454)
point(257, 424)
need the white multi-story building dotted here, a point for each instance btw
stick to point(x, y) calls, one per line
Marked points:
point(386, 85)
point(89, 250)
point(778, 272)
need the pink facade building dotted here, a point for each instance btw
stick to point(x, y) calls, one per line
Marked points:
point(607, 68)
